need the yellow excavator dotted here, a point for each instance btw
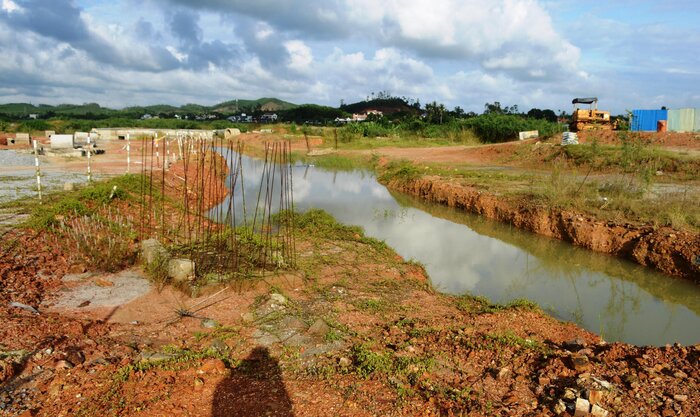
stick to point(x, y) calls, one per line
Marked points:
point(591, 118)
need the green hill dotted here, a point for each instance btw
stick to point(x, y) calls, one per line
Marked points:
point(17, 109)
point(264, 104)
point(390, 105)
point(95, 111)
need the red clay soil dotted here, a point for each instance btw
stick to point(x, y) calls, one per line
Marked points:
point(456, 357)
point(679, 140)
point(502, 153)
point(474, 155)
point(667, 250)
point(210, 184)
point(31, 264)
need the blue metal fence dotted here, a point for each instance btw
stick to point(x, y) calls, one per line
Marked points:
point(646, 120)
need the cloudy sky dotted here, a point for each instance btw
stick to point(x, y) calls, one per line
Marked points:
point(533, 53)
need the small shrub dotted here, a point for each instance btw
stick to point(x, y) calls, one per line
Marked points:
point(505, 127)
point(157, 270)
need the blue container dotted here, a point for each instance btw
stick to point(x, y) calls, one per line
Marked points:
point(645, 120)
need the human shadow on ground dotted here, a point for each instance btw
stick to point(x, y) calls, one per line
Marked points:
point(254, 388)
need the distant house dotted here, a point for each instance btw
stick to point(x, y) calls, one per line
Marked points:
point(361, 117)
point(146, 117)
point(33, 116)
point(268, 118)
point(241, 118)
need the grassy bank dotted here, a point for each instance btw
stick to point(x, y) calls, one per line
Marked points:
point(618, 183)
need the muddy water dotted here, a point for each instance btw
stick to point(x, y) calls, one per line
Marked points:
point(464, 253)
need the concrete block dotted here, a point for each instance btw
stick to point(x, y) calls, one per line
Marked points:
point(69, 186)
point(152, 250)
point(231, 132)
point(180, 269)
point(62, 142)
point(22, 137)
point(530, 134)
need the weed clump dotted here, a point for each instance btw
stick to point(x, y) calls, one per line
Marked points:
point(401, 171)
point(322, 224)
point(105, 243)
point(83, 202)
point(368, 362)
point(482, 305)
point(157, 269)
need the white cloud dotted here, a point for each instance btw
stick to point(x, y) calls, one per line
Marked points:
point(458, 52)
point(509, 35)
point(263, 31)
point(10, 6)
point(177, 54)
point(300, 56)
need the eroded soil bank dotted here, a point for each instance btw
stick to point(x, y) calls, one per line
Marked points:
point(667, 250)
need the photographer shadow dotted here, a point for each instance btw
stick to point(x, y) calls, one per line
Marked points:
point(254, 388)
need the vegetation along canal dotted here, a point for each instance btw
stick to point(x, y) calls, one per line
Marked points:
point(465, 253)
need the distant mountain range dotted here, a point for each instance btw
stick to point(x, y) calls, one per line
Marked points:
point(228, 107)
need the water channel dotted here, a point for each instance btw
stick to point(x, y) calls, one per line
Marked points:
point(465, 253)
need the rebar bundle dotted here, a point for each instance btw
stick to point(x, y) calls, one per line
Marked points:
point(214, 226)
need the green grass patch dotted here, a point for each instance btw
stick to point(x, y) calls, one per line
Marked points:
point(510, 339)
point(402, 171)
point(482, 305)
point(319, 223)
point(373, 306)
point(336, 162)
point(84, 201)
point(367, 362)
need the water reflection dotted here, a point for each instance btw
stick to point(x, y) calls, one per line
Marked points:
point(464, 253)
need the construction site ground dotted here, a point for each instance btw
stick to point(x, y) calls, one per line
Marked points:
point(355, 330)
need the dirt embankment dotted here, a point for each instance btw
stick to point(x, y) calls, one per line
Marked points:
point(673, 140)
point(667, 250)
